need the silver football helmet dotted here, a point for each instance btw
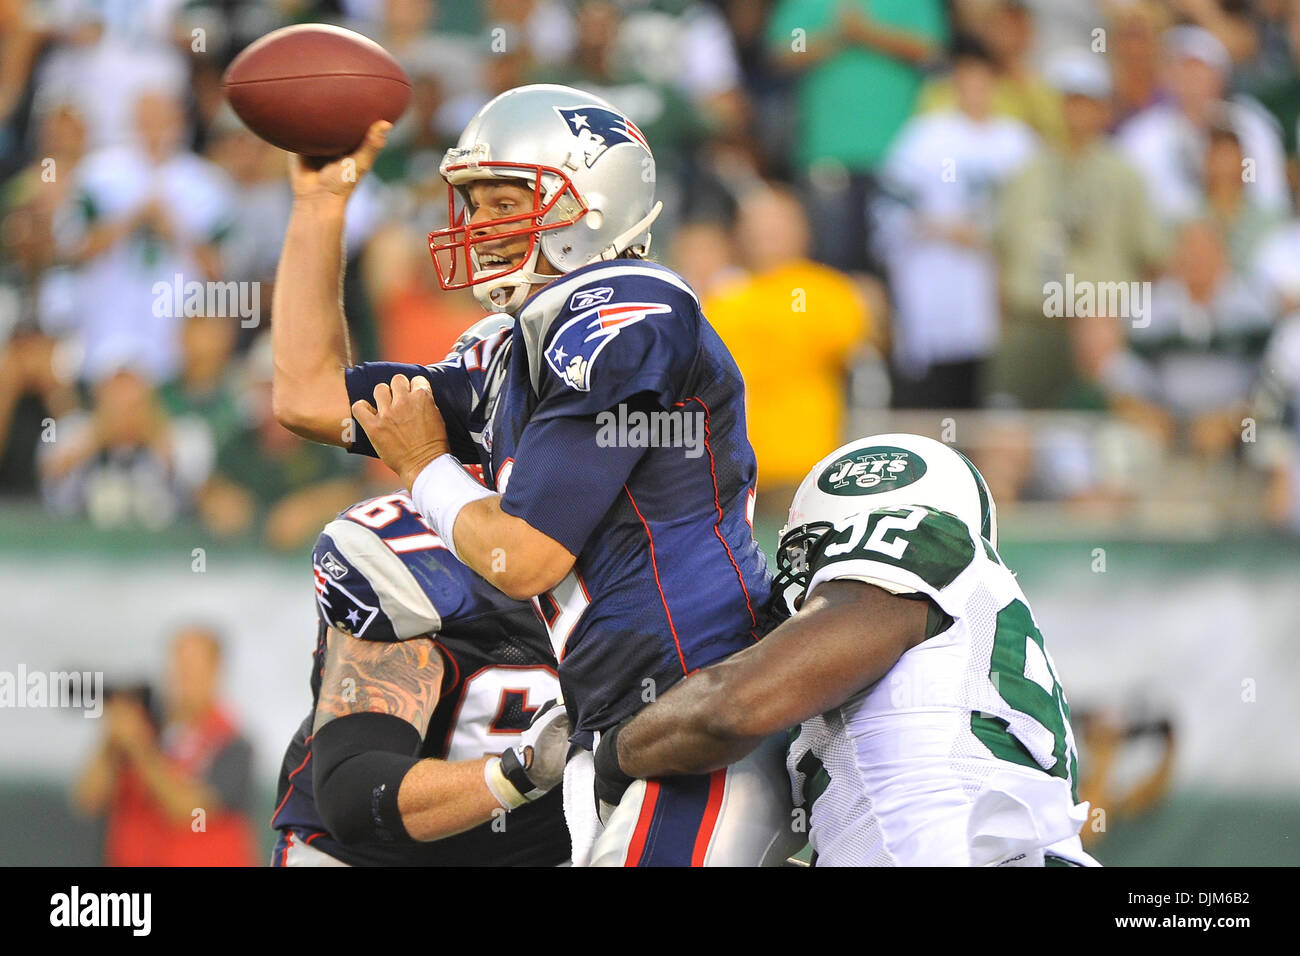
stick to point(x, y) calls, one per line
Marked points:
point(593, 181)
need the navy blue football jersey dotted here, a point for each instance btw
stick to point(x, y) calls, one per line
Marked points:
point(381, 574)
point(612, 419)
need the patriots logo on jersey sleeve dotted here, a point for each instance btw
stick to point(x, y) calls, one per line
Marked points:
point(339, 606)
point(598, 129)
point(573, 351)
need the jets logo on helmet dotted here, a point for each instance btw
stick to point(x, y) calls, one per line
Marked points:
point(880, 471)
point(871, 471)
point(598, 129)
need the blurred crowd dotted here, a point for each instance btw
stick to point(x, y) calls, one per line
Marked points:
point(993, 208)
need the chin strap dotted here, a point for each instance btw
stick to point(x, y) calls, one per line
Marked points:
point(515, 285)
point(620, 243)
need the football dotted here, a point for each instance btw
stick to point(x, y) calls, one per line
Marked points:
point(315, 89)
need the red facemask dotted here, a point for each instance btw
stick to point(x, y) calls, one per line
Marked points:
point(452, 248)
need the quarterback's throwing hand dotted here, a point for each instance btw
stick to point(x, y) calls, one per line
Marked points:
point(536, 764)
point(404, 425)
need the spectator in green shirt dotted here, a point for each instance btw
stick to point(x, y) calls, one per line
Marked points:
point(858, 67)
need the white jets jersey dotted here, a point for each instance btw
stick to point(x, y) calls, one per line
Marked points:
point(962, 754)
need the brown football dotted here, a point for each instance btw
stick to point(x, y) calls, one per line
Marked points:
point(315, 89)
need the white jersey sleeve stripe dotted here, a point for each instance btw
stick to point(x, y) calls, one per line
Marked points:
point(888, 576)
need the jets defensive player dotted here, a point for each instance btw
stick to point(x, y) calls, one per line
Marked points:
point(933, 727)
point(641, 560)
point(422, 673)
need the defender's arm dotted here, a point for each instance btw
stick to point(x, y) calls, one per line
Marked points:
point(846, 637)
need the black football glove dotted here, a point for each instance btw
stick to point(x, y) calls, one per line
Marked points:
point(611, 781)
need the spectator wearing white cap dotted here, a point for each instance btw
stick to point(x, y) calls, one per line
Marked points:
point(1078, 208)
point(1168, 141)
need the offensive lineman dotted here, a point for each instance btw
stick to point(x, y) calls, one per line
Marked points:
point(640, 560)
point(933, 729)
point(422, 671)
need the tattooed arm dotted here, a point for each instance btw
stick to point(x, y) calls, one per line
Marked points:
point(403, 679)
point(437, 798)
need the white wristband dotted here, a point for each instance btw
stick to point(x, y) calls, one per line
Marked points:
point(502, 789)
point(440, 491)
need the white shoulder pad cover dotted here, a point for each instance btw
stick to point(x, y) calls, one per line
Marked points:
point(364, 588)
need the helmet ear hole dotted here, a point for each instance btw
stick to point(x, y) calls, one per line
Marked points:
point(594, 219)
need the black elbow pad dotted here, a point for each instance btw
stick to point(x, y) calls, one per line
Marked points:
point(358, 762)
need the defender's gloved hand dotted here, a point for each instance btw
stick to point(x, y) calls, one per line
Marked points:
point(611, 781)
point(533, 766)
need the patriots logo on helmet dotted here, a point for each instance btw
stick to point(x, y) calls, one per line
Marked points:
point(575, 347)
point(598, 129)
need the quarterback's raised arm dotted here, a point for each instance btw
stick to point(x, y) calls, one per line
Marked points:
point(308, 332)
point(845, 637)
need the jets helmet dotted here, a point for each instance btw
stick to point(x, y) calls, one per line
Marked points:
point(880, 471)
point(592, 176)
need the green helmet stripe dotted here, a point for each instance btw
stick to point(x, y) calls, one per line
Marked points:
point(986, 516)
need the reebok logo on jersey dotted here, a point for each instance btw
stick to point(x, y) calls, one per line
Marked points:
point(590, 298)
point(597, 129)
point(337, 570)
point(575, 347)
